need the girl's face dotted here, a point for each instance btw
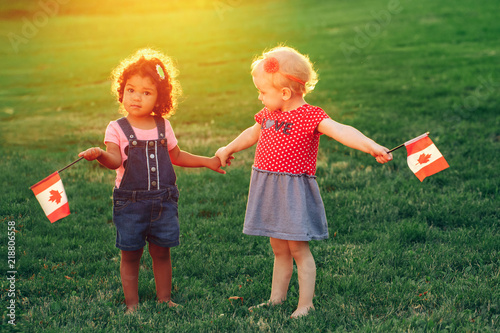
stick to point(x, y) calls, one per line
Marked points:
point(139, 96)
point(269, 95)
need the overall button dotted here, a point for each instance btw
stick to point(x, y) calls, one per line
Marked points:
point(151, 143)
point(152, 156)
point(153, 183)
point(134, 143)
point(153, 169)
point(162, 142)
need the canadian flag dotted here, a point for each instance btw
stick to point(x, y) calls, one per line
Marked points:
point(424, 159)
point(52, 197)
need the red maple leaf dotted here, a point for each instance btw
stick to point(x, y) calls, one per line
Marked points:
point(424, 158)
point(55, 196)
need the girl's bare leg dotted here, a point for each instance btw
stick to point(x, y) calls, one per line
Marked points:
point(162, 270)
point(306, 270)
point(282, 272)
point(129, 272)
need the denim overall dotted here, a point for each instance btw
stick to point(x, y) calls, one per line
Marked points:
point(145, 205)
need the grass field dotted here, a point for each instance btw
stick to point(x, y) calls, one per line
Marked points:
point(402, 255)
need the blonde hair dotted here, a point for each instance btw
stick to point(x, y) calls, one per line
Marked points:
point(145, 62)
point(291, 63)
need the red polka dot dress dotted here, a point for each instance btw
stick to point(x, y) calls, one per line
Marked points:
point(284, 200)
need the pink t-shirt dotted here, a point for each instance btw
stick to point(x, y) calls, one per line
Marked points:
point(115, 135)
point(289, 141)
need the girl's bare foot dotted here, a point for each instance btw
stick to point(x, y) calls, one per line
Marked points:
point(258, 306)
point(268, 303)
point(170, 304)
point(300, 312)
point(131, 309)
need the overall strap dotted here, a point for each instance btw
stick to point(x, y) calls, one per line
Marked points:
point(126, 128)
point(160, 125)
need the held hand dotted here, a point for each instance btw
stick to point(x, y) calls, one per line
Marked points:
point(381, 154)
point(91, 153)
point(224, 157)
point(214, 164)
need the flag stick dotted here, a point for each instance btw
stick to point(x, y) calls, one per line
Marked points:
point(401, 145)
point(67, 166)
point(393, 149)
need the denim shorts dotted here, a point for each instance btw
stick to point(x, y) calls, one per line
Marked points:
point(141, 216)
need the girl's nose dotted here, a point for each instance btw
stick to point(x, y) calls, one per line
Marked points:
point(136, 96)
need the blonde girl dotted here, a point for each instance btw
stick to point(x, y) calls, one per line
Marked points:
point(284, 202)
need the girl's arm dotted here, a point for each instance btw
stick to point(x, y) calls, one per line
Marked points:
point(185, 159)
point(245, 140)
point(351, 137)
point(111, 158)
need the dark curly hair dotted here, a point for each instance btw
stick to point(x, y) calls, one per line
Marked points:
point(144, 63)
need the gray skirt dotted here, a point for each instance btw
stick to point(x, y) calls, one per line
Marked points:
point(285, 206)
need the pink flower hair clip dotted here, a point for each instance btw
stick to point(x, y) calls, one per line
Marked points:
point(272, 65)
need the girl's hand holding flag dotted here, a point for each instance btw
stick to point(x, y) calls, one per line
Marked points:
point(381, 154)
point(110, 158)
point(91, 153)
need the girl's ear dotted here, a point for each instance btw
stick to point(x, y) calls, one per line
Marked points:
point(286, 94)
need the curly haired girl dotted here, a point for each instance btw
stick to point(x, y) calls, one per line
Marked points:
point(142, 147)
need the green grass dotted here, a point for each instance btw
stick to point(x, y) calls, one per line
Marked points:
point(402, 255)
